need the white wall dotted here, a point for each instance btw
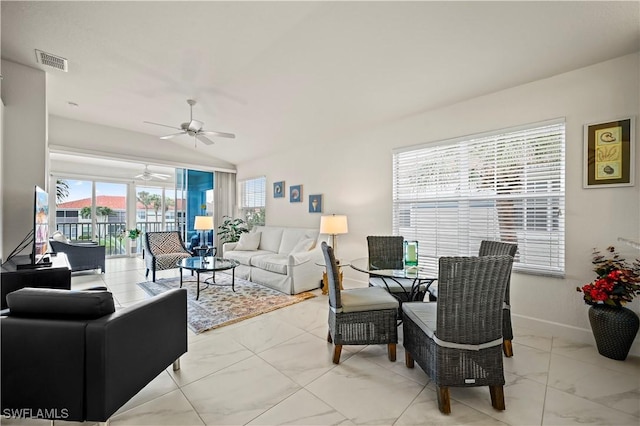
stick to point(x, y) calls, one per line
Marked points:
point(24, 153)
point(354, 173)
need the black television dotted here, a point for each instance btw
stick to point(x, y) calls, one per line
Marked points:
point(40, 227)
point(39, 233)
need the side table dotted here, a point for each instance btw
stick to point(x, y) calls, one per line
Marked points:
point(204, 251)
point(325, 280)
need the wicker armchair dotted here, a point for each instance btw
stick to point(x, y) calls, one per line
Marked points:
point(359, 316)
point(163, 250)
point(495, 248)
point(82, 255)
point(387, 252)
point(458, 340)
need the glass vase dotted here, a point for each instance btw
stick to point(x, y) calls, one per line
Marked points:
point(410, 253)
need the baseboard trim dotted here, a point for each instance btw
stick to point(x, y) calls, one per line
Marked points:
point(554, 329)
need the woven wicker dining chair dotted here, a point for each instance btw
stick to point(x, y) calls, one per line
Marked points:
point(387, 252)
point(458, 340)
point(359, 316)
point(494, 248)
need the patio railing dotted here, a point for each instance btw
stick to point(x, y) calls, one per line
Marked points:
point(110, 234)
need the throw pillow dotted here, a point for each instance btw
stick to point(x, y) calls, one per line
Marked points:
point(59, 236)
point(303, 245)
point(248, 241)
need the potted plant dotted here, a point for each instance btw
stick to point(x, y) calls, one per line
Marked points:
point(133, 235)
point(617, 282)
point(231, 229)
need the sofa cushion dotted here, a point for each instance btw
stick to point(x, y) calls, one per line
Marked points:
point(367, 299)
point(270, 240)
point(292, 236)
point(56, 303)
point(271, 262)
point(303, 245)
point(424, 315)
point(244, 257)
point(248, 241)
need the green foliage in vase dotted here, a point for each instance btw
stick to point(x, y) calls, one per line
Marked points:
point(231, 229)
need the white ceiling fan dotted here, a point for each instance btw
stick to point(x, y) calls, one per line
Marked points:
point(193, 128)
point(148, 175)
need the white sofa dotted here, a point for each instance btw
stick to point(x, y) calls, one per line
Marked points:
point(274, 263)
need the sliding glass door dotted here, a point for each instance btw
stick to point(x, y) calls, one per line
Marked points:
point(92, 211)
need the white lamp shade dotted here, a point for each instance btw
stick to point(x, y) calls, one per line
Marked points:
point(334, 224)
point(203, 223)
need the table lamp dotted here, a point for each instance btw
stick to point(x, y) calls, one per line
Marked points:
point(334, 225)
point(203, 224)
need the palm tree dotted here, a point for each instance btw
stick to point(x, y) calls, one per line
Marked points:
point(145, 199)
point(104, 212)
point(156, 203)
point(62, 190)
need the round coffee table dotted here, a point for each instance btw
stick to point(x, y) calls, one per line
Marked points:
point(208, 264)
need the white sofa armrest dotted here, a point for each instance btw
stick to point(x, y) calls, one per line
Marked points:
point(228, 247)
point(299, 258)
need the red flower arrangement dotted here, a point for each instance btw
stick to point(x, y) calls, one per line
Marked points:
point(617, 281)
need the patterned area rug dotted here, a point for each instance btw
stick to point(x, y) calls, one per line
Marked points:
point(219, 305)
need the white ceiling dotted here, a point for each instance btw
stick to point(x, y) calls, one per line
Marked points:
point(280, 74)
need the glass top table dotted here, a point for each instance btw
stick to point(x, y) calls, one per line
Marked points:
point(200, 264)
point(418, 276)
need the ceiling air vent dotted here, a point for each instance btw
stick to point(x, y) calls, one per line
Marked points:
point(50, 60)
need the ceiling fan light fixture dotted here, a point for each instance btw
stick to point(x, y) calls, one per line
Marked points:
point(193, 128)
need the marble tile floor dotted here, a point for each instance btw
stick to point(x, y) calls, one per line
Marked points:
point(276, 369)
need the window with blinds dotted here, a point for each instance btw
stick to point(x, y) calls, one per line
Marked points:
point(505, 186)
point(252, 196)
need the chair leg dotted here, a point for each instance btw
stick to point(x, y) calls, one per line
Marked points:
point(176, 365)
point(147, 273)
point(497, 397)
point(444, 402)
point(153, 274)
point(507, 348)
point(329, 339)
point(336, 354)
point(391, 350)
point(408, 360)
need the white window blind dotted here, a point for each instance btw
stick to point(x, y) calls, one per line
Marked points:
point(252, 200)
point(508, 186)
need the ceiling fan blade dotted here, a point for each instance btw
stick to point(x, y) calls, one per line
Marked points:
point(195, 125)
point(163, 125)
point(220, 134)
point(159, 176)
point(204, 139)
point(173, 135)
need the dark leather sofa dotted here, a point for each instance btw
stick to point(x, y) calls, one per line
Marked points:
point(82, 255)
point(66, 355)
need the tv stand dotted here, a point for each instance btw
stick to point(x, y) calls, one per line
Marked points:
point(13, 277)
point(26, 263)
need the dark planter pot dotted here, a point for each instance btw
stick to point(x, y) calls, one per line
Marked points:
point(614, 329)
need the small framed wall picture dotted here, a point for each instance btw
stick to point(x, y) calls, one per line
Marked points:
point(609, 152)
point(295, 194)
point(278, 189)
point(315, 203)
